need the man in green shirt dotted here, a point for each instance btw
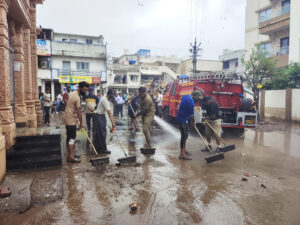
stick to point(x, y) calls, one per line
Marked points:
point(147, 112)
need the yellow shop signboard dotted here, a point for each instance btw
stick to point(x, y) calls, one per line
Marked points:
point(77, 79)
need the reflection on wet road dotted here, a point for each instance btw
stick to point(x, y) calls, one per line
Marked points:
point(170, 191)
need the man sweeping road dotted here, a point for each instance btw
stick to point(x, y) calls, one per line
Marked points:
point(185, 116)
point(147, 112)
point(71, 116)
point(212, 117)
point(99, 122)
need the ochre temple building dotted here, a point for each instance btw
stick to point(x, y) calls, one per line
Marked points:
point(19, 97)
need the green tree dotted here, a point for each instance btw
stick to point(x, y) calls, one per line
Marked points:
point(258, 68)
point(286, 77)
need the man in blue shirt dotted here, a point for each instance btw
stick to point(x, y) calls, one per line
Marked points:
point(184, 115)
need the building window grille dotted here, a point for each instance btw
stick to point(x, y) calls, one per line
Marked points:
point(73, 40)
point(89, 42)
point(82, 66)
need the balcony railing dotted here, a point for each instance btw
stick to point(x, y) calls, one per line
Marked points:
point(277, 52)
point(275, 13)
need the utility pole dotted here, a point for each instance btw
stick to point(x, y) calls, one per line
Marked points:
point(194, 50)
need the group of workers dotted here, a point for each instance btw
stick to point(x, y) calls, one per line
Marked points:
point(139, 104)
point(96, 110)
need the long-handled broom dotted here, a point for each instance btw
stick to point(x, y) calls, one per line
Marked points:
point(99, 160)
point(226, 148)
point(214, 156)
point(126, 159)
point(143, 150)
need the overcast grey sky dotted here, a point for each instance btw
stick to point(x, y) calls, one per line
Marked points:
point(165, 26)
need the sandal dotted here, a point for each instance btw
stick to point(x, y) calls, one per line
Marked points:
point(188, 153)
point(75, 160)
point(185, 157)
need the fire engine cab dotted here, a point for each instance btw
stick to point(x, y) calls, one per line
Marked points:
point(226, 90)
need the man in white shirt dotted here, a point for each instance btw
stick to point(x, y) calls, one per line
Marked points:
point(159, 103)
point(120, 101)
point(47, 104)
point(99, 122)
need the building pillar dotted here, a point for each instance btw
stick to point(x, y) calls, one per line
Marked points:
point(34, 67)
point(30, 103)
point(2, 154)
point(16, 32)
point(52, 91)
point(6, 110)
point(261, 106)
point(288, 105)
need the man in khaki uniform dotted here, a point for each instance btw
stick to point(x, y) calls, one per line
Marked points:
point(71, 116)
point(147, 112)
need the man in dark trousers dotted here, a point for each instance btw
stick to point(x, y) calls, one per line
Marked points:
point(212, 117)
point(99, 122)
point(91, 106)
point(185, 116)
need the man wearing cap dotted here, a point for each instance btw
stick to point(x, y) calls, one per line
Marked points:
point(185, 116)
point(91, 105)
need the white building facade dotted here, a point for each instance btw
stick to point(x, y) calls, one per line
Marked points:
point(232, 61)
point(73, 58)
point(273, 25)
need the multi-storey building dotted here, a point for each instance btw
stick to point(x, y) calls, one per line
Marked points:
point(71, 58)
point(273, 25)
point(130, 71)
point(232, 61)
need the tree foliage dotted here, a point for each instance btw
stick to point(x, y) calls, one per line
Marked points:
point(286, 77)
point(258, 68)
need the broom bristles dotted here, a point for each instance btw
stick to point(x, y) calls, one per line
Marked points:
point(99, 161)
point(214, 157)
point(129, 159)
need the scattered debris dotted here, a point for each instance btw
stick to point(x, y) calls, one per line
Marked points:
point(243, 154)
point(255, 176)
point(4, 192)
point(133, 206)
point(281, 178)
point(244, 179)
point(263, 186)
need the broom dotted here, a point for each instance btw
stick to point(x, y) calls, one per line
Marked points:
point(226, 148)
point(99, 160)
point(126, 159)
point(214, 156)
point(143, 150)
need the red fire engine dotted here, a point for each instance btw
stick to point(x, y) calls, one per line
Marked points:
point(227, 91)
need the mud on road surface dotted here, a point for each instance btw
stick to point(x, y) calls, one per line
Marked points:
point(258, 183)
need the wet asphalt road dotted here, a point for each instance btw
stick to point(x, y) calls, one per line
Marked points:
point(170, 191)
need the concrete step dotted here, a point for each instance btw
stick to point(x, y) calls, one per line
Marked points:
point(34, 162)
point(21, 145)
point(48, 137)
point(33, 152)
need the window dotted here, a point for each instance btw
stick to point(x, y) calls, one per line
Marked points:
point(285, 3)
point(83, 66)
point(285, 7)
point(174, 89)
point(265, 15)
point(89, 42)
point(266, 48)
point(66, 67)
point(64, 39)
point(133, 78)
point(237, 64)
point(226, 65)
point(73, 40)
point(284, 46)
